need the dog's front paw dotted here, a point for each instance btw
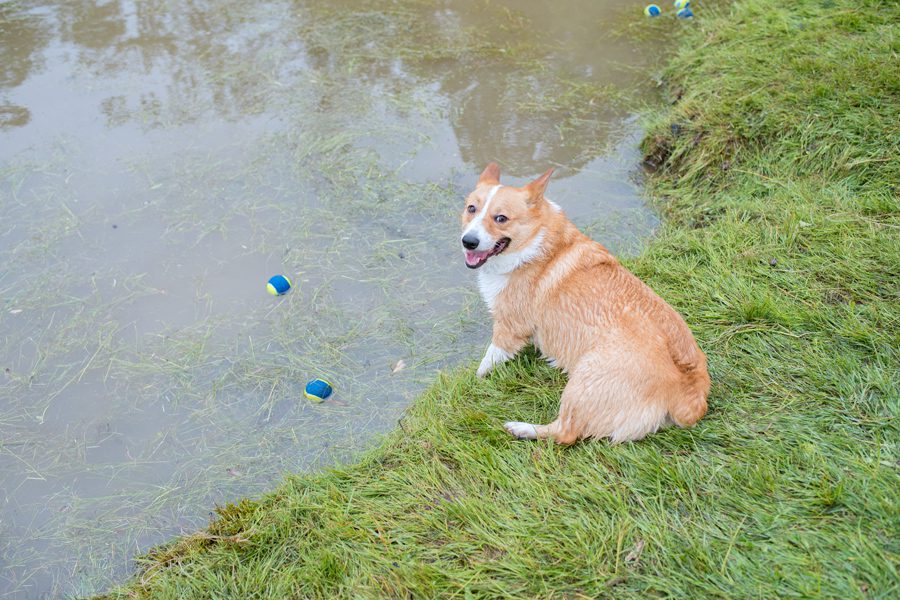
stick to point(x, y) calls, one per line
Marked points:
point(523, 431)
point(493, 356)
point(484, 368)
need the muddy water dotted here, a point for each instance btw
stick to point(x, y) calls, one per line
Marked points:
point(160, 160)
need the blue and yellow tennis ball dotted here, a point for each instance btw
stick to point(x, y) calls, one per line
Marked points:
point(685, 13)
point(679, 4)
point(278, 285)
point(317, 390)
point(652, 10)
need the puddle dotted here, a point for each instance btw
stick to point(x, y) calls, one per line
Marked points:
point(159, 161)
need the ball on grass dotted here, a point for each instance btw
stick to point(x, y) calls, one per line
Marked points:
point(652, 10)
point(317, 390)
point(278, 285)
point(685, 13)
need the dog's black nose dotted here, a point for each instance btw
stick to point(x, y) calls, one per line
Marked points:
point(470, 242)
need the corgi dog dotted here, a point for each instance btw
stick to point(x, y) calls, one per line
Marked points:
point(632, 362)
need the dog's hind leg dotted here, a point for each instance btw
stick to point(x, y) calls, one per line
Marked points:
point(527, 431)
point(619, 393)
point(608, 395)
point(561, 430)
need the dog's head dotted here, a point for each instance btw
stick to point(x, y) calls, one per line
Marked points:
point(499, 218)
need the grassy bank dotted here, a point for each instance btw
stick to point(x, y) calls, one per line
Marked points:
point(778, 174)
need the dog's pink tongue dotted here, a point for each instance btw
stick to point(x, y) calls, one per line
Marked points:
point(473, 258)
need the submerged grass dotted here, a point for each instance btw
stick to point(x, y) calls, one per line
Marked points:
point(778, 173)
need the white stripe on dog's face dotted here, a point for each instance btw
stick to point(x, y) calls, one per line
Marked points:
point(476, 226)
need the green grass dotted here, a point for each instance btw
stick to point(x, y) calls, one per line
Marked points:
point(779, 185)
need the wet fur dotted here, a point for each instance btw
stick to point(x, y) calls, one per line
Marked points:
point(632, 362)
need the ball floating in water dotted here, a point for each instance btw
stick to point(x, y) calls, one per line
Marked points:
point(652, 10)
point(685, 13)
point(317, 390)
point(278, 285)
point(679, 4)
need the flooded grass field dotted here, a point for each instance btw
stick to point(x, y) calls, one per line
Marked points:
point(159, 160)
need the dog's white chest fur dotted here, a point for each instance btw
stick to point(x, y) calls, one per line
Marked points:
point(493, 277)
point(490, 285)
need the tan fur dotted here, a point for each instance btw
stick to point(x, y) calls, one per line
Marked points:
point(633, 364)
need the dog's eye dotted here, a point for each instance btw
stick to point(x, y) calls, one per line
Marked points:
point(500, 219)
point(471, 208)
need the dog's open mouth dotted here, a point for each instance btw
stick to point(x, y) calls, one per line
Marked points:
point(476, 259)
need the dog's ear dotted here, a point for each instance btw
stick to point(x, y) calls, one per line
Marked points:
point(536, 188)
point(490, 175)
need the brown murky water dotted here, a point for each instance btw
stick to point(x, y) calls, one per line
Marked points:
point(159, 160)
